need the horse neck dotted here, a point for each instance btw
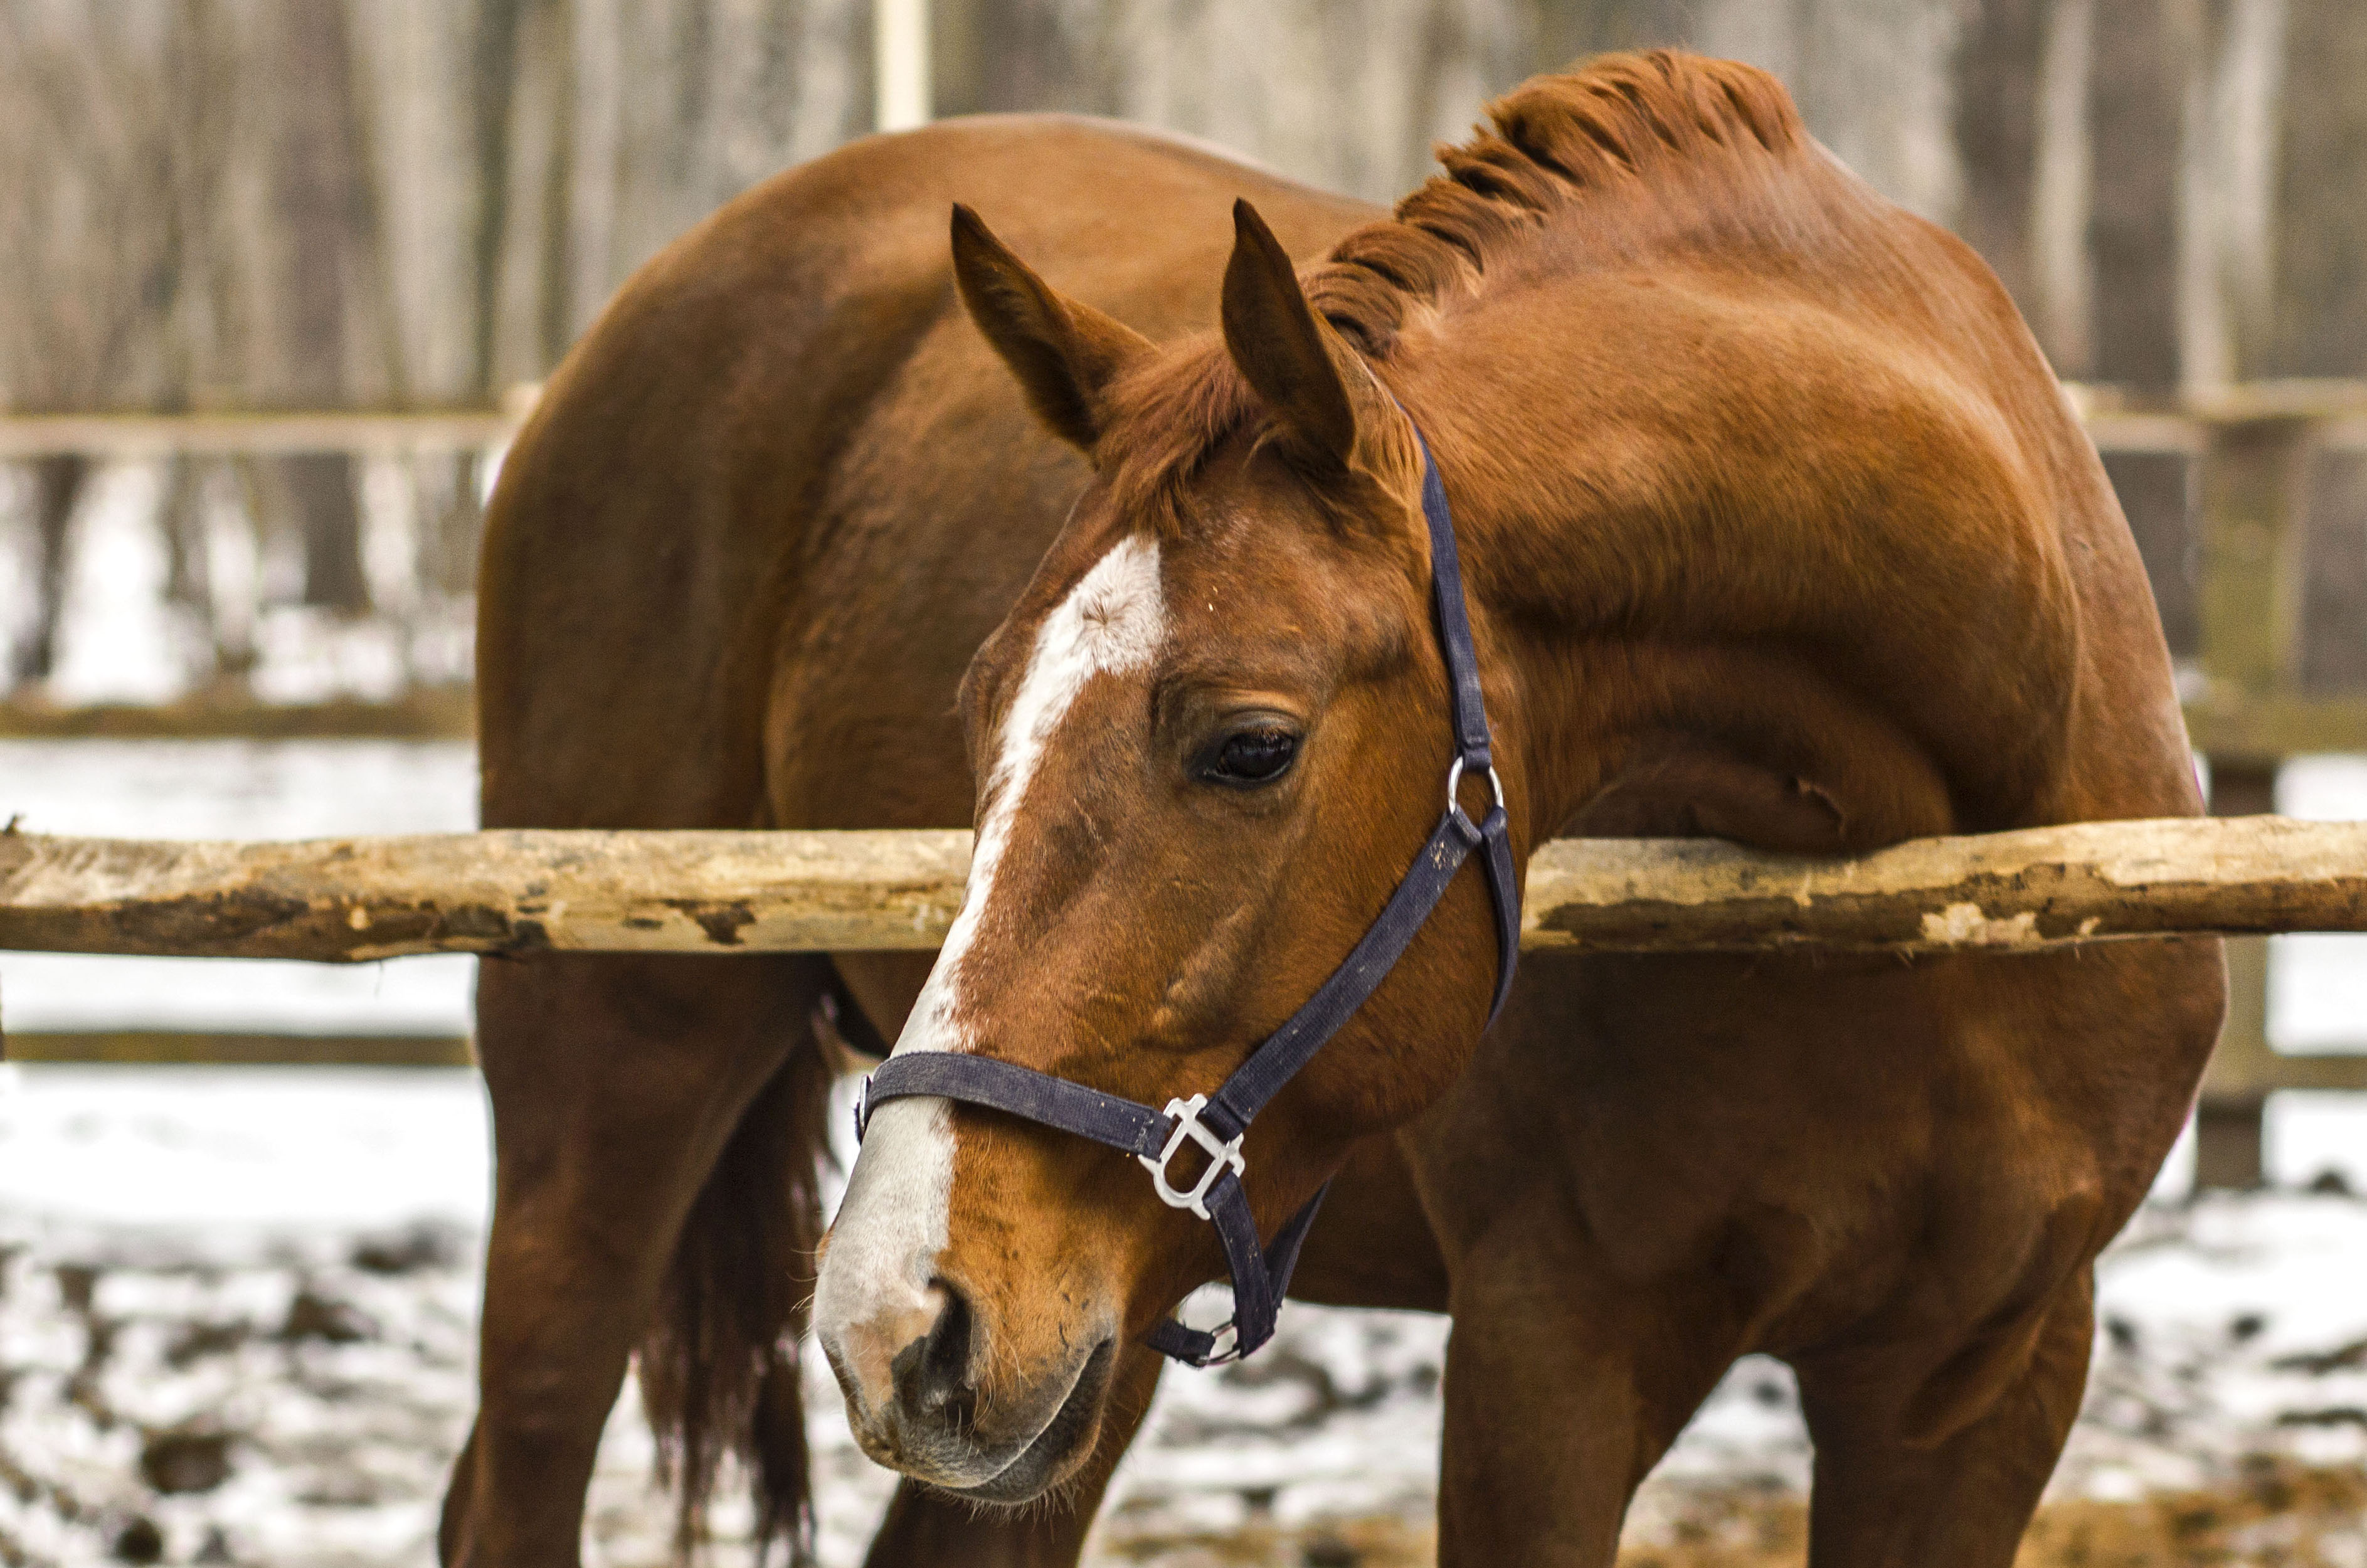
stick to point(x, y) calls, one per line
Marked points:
point(1770, 676)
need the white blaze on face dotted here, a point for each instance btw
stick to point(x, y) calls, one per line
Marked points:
point(892, 1225)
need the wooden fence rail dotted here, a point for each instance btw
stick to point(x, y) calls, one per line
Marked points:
point(520, 893)
point(265, 432)
point(2253, 550)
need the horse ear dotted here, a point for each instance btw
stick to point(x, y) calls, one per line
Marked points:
point(1063, 352)
point(1292, 359)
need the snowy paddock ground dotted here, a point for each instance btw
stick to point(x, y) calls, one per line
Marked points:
point(237, 1305)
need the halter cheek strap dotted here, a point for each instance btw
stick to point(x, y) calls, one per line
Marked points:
point(1215, 1124)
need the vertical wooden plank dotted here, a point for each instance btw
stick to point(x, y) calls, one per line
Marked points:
point(545, 236)
point(2334, 591)
point(2157, 494)
point(2230, 1137)
point(1029, 54)
point(2227, 1117)
point(2254, 471)
point(956, 57)
point(2135, 115)
point(421, 91)
point(2321, 216)
point(1568, 30)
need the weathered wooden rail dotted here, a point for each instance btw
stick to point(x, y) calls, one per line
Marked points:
point(135, 433)
point(526, 891)
point(360, 900)
point(2247, 502)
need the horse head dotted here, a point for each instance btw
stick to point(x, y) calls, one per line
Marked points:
point(1209, 739)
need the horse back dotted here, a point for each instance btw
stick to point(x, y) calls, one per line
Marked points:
point(770, 505)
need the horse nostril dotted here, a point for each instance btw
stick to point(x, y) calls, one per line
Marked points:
point(935, 1370)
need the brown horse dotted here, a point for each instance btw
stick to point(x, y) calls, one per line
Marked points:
point(1776, 528)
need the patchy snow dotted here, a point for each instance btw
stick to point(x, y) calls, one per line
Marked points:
point(121, 639)
point(236, 1157)
point(237, 790)
point(266, 1277)
point(2232, 1327)
point(237, 1305)
point(2318, 983)
point(118, 639)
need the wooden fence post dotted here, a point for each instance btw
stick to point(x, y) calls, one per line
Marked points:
point(2227, 1133)
point(2253, 482)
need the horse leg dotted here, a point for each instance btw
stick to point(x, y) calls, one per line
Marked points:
point(1564, 1387)
point(1886, 1494)
point(616, 1084)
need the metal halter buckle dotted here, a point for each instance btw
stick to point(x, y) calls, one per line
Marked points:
point(1455, 781)
point(1224, 1154)
point(863, 1108)
point(1228, 1336)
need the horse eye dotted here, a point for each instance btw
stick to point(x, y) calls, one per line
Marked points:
point(1252, 756)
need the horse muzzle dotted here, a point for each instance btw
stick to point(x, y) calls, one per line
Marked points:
point(947, 1382)
point(923, 1408)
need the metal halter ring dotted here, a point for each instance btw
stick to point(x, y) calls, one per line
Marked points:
point(1229, 1338)
point(1455, 780)
point(1224, 1154)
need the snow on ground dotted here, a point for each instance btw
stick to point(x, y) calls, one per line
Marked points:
point(237, 1305)
point(2318, 983)
point(236, 1317)
point(121, 640)
point(236, 789)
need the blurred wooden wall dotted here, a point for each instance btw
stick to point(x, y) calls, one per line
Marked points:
point(381, 204)
point(2175, 190)
point(408, 203)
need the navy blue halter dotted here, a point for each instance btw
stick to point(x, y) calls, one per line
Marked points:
point(1218, 1123)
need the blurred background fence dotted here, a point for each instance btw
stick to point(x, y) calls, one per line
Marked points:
point(216, 207)
point(374, 220)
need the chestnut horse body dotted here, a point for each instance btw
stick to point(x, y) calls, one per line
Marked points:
point(1775, 526)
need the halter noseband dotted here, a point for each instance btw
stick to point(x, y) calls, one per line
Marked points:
point(1218, 1123)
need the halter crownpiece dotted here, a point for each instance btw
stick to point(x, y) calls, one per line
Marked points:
point(1215, 1124)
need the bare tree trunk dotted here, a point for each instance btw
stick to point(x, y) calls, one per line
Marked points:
point(181, 516)
point(83, 248)
point(320, 491)
point(450, 520)
point(57, 487)
point(317, 180)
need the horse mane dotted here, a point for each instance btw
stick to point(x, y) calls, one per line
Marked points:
point(1645, 124)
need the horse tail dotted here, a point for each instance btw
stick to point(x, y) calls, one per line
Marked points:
point(719, 1364)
